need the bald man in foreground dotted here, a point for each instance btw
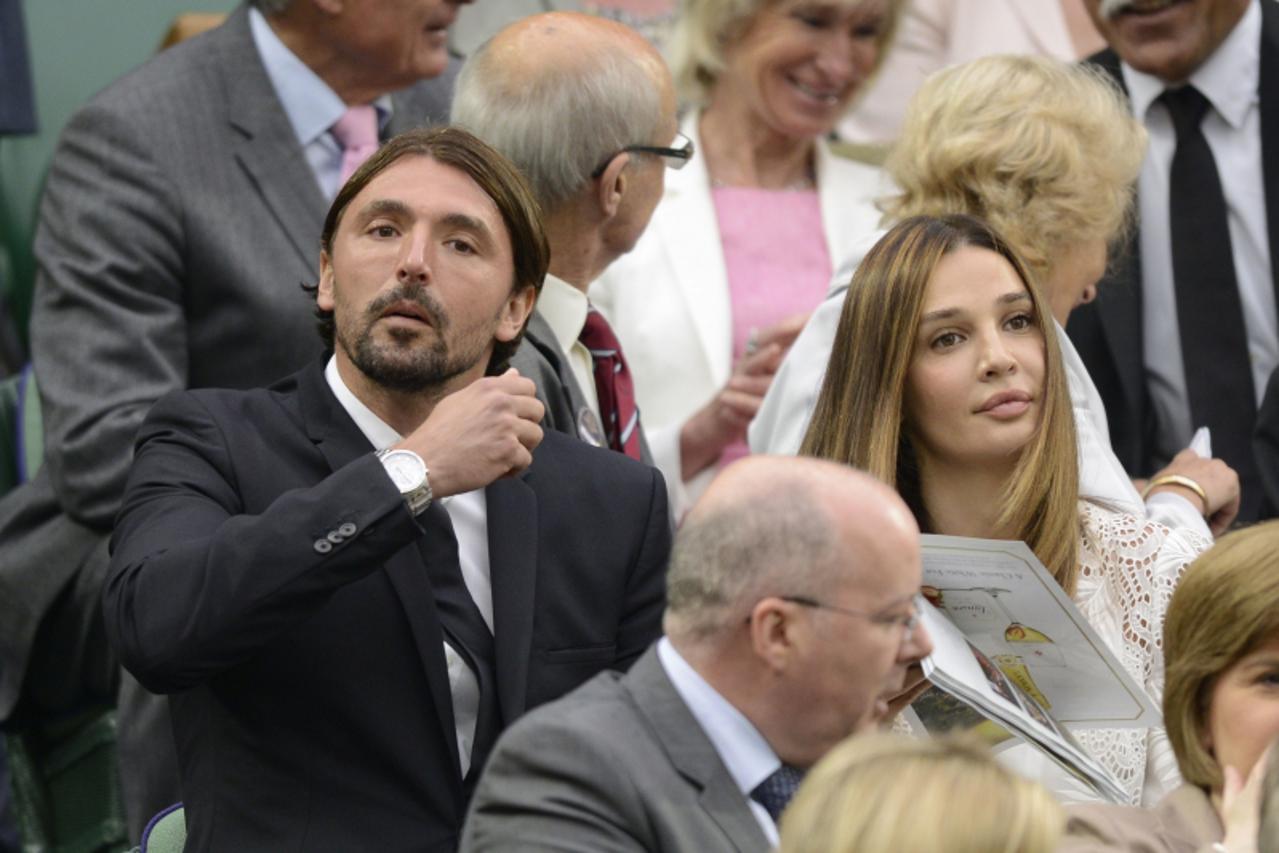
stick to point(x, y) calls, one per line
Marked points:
point(585, 108)
point(791, 621)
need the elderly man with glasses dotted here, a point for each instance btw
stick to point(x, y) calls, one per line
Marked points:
point(585, 108)
point(791, 623)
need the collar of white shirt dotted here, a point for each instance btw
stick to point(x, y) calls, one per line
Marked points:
point(564, 308)
point(379, 433)
point(1228, 79)
point(746, 755)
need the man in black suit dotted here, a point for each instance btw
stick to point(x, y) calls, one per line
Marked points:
point(350, 581)
point(182, 208)
point(1185, 334)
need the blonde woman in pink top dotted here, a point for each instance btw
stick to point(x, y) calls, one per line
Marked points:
point(745, 239)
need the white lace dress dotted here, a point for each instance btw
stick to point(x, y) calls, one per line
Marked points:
point(1128, 570)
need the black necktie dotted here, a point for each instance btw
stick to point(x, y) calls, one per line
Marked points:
point(464, 626)
point(776, 791)
point(1214, 339)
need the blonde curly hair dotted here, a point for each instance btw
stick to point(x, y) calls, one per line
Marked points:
point(1044, 151)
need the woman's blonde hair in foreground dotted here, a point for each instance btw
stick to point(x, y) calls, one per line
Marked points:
point(884, 793)
point(1046, 152)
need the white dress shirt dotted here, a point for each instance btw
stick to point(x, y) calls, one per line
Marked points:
point(564, 309)
point(469, 514)
point(1232, 126)
point(311, 106)
point(746, 755)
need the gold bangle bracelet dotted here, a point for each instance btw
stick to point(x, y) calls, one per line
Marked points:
point(1176, 480)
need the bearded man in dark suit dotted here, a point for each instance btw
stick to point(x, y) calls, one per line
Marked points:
point(351, 581)
point(182, 210)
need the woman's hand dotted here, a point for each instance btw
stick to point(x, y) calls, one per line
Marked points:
point(1218, 480)
point(725, 418)
point(1240, 807)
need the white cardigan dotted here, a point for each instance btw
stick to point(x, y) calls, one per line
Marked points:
point(668, 299)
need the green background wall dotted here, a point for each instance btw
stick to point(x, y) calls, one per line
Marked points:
point(77, 47)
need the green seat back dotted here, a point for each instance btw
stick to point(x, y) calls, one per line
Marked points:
point(167, 832)
point(66, 789)
point(9, 388)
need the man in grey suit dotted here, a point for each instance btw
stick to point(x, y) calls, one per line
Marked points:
point(790, 624)
point(182, 211)
point(585, 107)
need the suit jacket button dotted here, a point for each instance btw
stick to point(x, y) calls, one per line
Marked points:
point(323, 546)
point(347, 529)
point(335, 536)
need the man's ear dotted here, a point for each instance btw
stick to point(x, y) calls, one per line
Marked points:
point(773, 629)
point(515, 313)
point(324, 292)
point(612, 185)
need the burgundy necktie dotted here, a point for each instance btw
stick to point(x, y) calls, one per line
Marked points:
point(612, 385)
point(356, 132)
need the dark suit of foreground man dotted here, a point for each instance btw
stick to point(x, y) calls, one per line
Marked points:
point(300, 596)
point(790, 625)
point(182, 208)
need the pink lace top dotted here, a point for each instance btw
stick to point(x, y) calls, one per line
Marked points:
point(777, 261)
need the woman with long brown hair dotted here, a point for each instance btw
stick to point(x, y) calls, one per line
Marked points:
point(946, 382)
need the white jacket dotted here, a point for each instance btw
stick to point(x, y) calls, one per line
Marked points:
point(668, 299)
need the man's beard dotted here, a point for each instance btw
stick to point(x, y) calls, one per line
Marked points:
point(408, 363)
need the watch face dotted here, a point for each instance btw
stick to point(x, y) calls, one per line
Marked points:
point(405, 468)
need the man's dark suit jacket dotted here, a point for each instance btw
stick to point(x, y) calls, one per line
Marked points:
point(178, 221)
point(1108, 332)
point(309, 690)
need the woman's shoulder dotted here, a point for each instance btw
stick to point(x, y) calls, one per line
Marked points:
point(1183, 820)
point(1104, 826)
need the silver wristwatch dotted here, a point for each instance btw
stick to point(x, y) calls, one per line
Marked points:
point(407, 470)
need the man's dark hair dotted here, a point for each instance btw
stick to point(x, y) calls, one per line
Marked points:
point(499, 179)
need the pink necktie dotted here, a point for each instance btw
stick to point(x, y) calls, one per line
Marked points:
point(356, 132)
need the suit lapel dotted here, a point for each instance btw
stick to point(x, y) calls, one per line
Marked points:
point(408, 576)
point(690, 234)
point(846, 192)
point(326, 422)
point(1268, 90)
point(341, 442)
point(540, 335)
point(513, 546)
point(1119, 295)
point(265, 145)
point(692, 753)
